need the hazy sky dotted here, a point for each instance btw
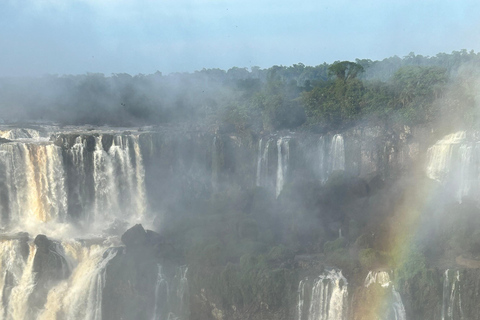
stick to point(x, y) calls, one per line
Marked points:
point(143, 36)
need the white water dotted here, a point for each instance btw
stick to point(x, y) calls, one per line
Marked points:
point(13, 264)
point(43, 188)
point(382, 278)
point(283, 155)
point(328, 299)
point(262, 178)
point(119, 187)
point(328, 156)
point(162, 294)
point(80, 296)
point(452, 299)
point(453, 161)
point(19, 133)
point(331, 156)
point(337, 153)
point(258, 180)
point(34, 181)
point(35, 196)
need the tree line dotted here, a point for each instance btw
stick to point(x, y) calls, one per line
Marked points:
point(413, 89)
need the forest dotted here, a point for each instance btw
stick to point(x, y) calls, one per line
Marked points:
point(414, 89)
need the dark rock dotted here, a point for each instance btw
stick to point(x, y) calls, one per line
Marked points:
point(135, 237)
point(107, 140)
point(49, 266)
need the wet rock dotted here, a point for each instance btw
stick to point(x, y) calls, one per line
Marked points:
point(135, 237)
point(49, 267)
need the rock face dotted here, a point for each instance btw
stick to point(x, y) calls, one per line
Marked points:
point(49, 267)
point(139, 284)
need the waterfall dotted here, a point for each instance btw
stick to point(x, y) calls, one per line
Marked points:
point(331, 156)
point(301, 298)
point(453, 161)
point(337, 153)
point(283, 155)
point(181, 284)
point(80, 296)
point(62, 187)
point(263, 177)
point(16, 282)
point(451, 299)
point(327, 300)
point(258, 180)
point(396, 310)
point(20, 133)
point(34, 181)
point(161, 296)
point(18, 301)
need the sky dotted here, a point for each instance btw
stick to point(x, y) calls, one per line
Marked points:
point(39, 37)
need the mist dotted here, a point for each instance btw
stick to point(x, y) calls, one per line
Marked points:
point(214, 160)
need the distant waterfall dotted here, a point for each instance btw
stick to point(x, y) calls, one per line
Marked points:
point(323, 299)
point(273, 159)
point(395, 310)
point(453, 161)
point(331, 156)
point(119, 186)
point(260, 160)
point(34, 182)
point(20, 133)
point(337, 153)
point(283, 151)
point(265, 176)
point(80, 296)
point(171, 298)
point(452, 299)
point(41, 181)
point(17, 279)
point(162, 293)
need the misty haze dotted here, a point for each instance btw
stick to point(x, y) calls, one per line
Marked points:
point(147, 174)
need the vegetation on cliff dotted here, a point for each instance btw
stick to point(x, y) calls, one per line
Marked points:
point(413, 89)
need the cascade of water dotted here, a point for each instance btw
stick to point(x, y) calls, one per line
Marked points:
point(119, 179)
point(331, 156)
point(452, 300)
point(301, 298)
point(161, 296)
point(263, 177)
point(328, 298)
point(80, 296)
point(19, 133)
point(382, 278)
point(337, 153)
point(258, 180)
point(18, 301)
point(140, 196)
point(182, 287)
point(12, 269)
point(453, 161)
point(35, 182)
point(283, 151)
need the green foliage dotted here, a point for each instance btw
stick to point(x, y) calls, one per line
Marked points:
point(279, 253)
point(370, 259)
point(331, 246)
point(345, 70)
point(411, 263)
